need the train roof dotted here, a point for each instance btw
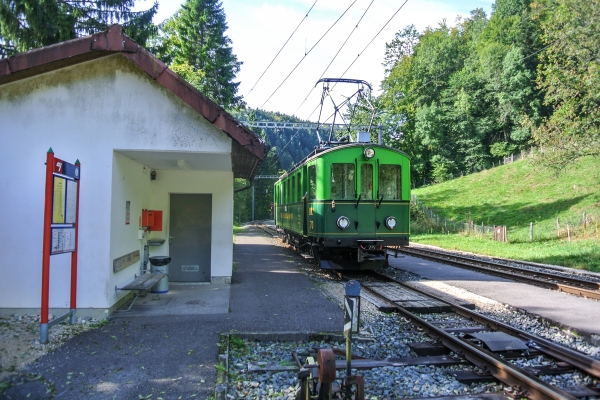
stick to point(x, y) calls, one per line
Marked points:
point(320, 151)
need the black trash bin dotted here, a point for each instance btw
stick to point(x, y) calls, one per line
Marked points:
point(160, 265)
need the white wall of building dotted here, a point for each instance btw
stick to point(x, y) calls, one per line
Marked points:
point(85, 112)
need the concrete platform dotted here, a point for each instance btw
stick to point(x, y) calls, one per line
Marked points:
point(181, 299)
point(568, 311)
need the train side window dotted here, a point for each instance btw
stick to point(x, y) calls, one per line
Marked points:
point(366, 182)
point(390, 184)
point(286, 195)
point(299, 187)
point(342, 181)
point(292, 192)
point(312, 181)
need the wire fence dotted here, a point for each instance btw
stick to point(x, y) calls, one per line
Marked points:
point(586, 226)
point(516, 157)
point(438, 223)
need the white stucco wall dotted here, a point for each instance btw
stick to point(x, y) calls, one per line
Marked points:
point(85, 112)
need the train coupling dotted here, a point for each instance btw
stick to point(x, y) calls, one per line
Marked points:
point(371, 250)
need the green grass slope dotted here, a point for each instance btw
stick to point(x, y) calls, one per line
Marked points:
point(516, 195)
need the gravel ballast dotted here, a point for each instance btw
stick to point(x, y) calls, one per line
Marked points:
point(390, 337)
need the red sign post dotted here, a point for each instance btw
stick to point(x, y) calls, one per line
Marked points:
point(61, 221)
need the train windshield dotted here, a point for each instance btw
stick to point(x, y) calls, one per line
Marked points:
point(366, 182)
point(390, 182)
point(342, 181)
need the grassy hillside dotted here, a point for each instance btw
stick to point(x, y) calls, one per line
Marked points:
point(516, 195)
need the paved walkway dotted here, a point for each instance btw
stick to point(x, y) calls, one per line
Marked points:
point(174, 355)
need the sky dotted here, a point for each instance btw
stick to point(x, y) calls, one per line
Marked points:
point(259, 29)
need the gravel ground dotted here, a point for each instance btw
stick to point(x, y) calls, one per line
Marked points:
point(391, 335)
point(20, 340)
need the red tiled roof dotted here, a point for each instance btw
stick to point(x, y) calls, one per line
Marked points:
point(113, 41)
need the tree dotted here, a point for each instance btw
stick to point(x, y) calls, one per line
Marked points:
point(401, 46)
point(28, 24)
point(195, 37)
point(570, 77)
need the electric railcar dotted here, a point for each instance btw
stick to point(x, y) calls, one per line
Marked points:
point(342, 205)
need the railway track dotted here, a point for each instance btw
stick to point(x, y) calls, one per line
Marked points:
point(586, 287)
point(490, 344)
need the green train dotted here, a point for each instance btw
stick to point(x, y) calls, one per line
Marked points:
point(342, 205)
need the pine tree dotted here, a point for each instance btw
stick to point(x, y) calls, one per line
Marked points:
point(195, 37)
point(28, 24)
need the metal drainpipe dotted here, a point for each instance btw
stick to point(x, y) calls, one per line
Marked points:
point(379, 139)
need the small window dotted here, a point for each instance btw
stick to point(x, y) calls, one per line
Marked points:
point(299, 187)
point(312, 181)
point(294, 194)
point(342, 182)
point(366, 182)
point(390, 182)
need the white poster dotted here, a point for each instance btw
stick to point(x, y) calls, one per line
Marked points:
point(71, 212)
point(63, 240)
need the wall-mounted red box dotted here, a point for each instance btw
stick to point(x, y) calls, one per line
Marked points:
point(152, 220)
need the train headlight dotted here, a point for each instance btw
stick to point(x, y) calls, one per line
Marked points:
point(390, 222)
point(369, 153)
point(343, 222)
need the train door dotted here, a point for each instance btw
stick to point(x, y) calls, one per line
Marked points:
point(367, 210)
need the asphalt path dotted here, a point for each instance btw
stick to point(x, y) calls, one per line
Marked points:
point(174, 356)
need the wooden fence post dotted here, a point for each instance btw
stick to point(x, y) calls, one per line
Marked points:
point(569, 232)
point(531, 231)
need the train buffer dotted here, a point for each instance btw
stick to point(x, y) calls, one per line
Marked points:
point(141, 283)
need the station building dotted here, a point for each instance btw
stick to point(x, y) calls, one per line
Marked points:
point(146, 140)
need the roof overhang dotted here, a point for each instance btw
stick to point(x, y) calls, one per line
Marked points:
point(247, 151)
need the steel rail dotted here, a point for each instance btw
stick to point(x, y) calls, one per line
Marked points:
point(522, 275)
point(499, 368)
point(575, 281)
point(572, 357)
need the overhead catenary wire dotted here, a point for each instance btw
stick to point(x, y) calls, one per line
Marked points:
point(374, 37)
point(282, 47)
point(308, 52)
point(336, 54)
point(365, 48)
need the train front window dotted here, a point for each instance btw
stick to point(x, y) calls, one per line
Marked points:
point(390, 182)
point(342, 181)
point(366, 182)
